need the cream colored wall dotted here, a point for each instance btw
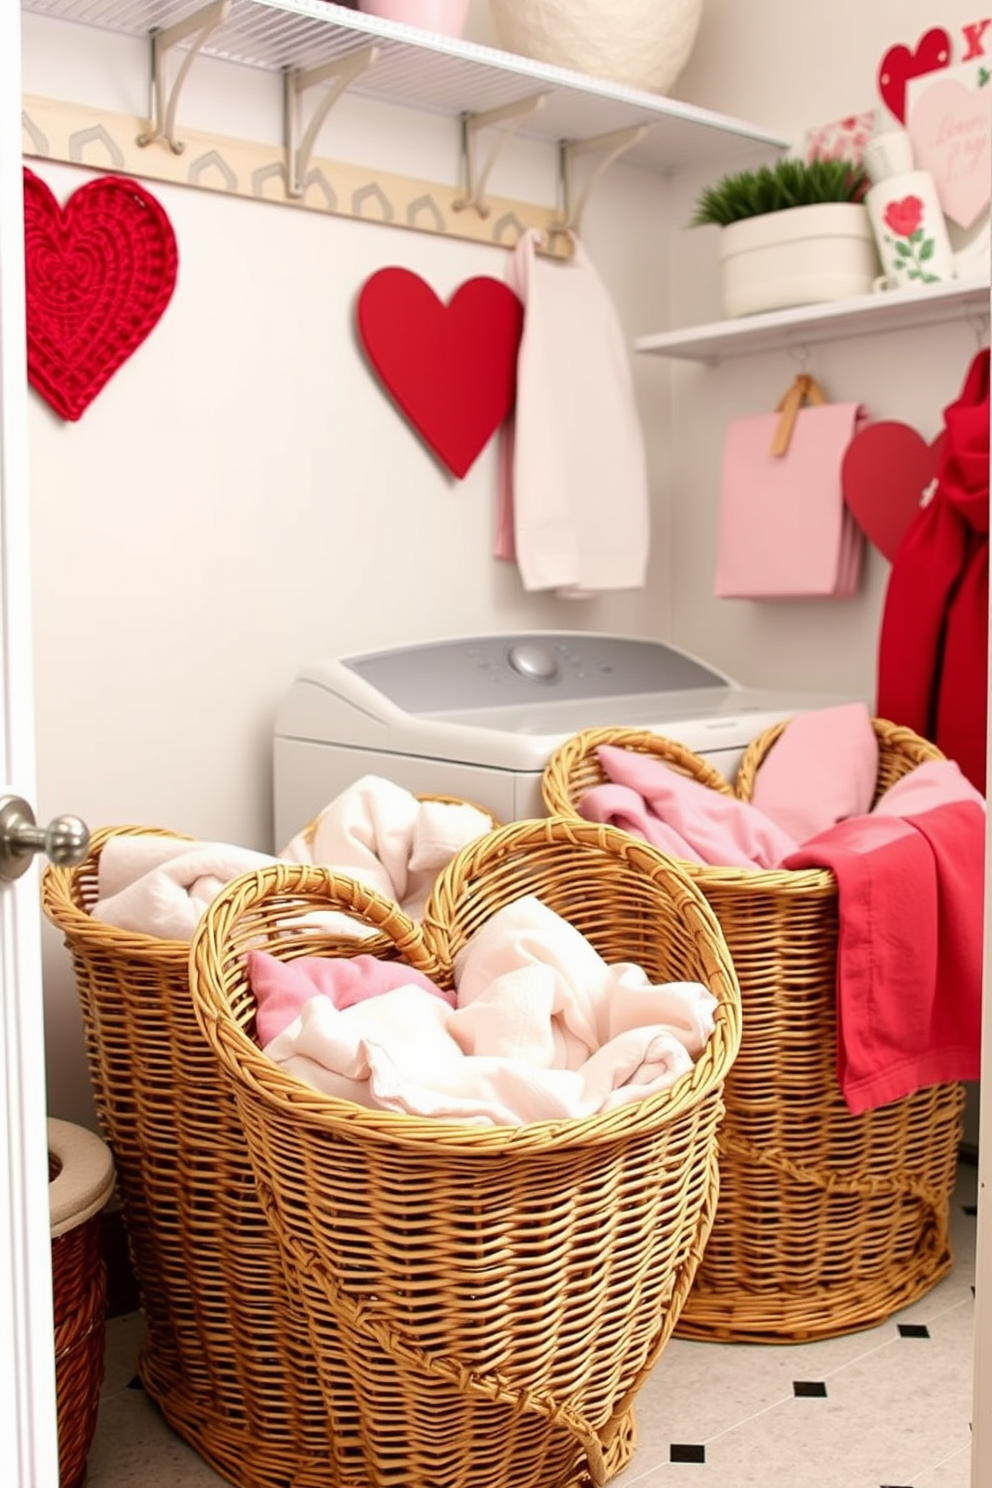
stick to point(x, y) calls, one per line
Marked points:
point(242, 497)
point(789, 66)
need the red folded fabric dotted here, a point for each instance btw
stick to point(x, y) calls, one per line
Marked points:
point(933, 643)
point(909, 953)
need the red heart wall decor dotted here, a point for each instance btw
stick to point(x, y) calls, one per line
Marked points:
point(884, 476)
point(99, 273)
point(450, 368)
point(933, 50)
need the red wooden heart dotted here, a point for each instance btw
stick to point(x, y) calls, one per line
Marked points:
point(933, 50)
point(884, 476)
point(451, 368)
point(99, 273)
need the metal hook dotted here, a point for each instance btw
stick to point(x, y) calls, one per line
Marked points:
point(799, 352)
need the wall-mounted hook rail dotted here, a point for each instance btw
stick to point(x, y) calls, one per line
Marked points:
point(512, 114)
point(614, 145)
point(163, 100)
point(340, 74)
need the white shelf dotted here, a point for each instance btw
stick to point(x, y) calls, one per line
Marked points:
point(806, 325)
point(440, 74)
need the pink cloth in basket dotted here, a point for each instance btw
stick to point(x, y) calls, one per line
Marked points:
point(822, 768)
point(785, 531)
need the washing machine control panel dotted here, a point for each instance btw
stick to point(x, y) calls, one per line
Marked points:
point(488, 671)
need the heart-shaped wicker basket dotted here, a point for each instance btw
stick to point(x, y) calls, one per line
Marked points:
point(490, 1299)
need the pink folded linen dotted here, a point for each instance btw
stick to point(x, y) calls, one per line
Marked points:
point(822, 769)
point(682, 816)
point(281, 988)
point(909, 955)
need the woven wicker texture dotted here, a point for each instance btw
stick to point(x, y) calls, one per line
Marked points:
point(498, 1295)
point(79, 1295)
point(827, 1222)
point(226, 1352)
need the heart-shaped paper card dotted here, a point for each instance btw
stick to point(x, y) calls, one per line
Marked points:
point(933, 50)
point(885, 474)
point(450, 368)
point(950, 126)
point(99, 273)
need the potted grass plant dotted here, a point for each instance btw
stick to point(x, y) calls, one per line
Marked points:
point(793, 233)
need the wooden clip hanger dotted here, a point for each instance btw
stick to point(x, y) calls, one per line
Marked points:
point(804, 389)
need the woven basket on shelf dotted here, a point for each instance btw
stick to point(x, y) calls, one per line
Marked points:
point(226, 1353)
point(827, 1222)
point(497, 1295)
point(81, 1180)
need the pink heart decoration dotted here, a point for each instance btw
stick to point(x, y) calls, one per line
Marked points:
point(884, 474)
point(450, 368)
point(950, 126)
point(99, 273)
point(933, 50)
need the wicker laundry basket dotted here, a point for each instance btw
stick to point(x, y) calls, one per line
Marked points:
point(827, 1222)
point(226, 1353)
point(81, 1180)
point(497, 1295)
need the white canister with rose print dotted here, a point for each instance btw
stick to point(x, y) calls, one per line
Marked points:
point(910, 231)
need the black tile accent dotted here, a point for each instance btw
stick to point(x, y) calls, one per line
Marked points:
point(914, 1330)
point(971, 1209)
point(686, 1452)
point(809, 1387)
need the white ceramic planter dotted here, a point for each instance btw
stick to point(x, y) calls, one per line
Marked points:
point(797, 257)
point(640, 43)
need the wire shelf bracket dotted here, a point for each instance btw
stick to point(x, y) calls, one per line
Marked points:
point(511, 114)
point(299, 81)
point(163, 101)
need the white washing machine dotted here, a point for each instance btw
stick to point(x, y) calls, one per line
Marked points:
point(478, 717)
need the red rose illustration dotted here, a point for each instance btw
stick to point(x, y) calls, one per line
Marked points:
point(905, 216)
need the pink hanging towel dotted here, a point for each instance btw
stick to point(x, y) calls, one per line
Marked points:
point(785, 531)
point(573, 505)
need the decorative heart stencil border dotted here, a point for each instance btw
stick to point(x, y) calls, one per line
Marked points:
point(450, 368)
point(99, 273)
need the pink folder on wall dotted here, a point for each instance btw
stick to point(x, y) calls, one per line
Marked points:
point(785, 531)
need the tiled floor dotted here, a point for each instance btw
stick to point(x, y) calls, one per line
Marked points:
point(888, 1408)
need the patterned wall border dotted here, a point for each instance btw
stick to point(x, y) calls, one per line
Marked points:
point(101, 141)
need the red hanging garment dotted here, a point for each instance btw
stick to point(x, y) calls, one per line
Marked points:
point(933, 644)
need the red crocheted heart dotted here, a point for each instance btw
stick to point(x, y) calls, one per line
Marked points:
point(451, 369)
point(99, 273)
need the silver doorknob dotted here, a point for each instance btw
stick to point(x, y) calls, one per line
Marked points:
point(65, 841)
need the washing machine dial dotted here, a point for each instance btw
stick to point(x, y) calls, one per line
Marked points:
point(536, 662)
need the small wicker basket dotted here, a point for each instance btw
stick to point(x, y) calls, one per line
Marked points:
point(226, 1353)
point(497, 1296)
point(81, 1180)
point(827, 1222)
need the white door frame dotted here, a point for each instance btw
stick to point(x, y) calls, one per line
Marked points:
point(28, 1419)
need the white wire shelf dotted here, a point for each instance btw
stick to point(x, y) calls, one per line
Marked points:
point(439, 74)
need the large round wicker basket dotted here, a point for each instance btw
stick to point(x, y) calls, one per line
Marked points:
point(827, 1222)
point(226, 1353)
point(496, 1295)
